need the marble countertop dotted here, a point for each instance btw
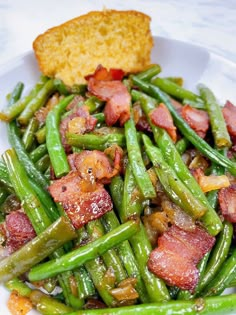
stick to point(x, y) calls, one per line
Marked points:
point(209, 23)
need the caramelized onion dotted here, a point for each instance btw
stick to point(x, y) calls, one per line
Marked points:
point(125, 293)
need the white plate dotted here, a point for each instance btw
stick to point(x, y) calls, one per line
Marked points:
point(193, 63)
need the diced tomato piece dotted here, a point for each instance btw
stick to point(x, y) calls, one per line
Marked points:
point(229, 113)
point(117, 97)
point(82, 199)
point(227, 201)
point(177, 255)
point(161, 117)
point(197, 119)
point(19, 230)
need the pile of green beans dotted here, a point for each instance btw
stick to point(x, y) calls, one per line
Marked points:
point(90, 263)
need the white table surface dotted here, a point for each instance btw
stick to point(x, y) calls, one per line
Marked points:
point(210, 23)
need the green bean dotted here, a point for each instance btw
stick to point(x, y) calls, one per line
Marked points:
point(42, 302)
point(4, 177)
point(38, 152)
point(194, 104)
point(91, 141)
point(36, 102)
point(130, 206)
point(182, 145)
point(36, 250)
point(111, 259)
point(93, 104)
point(55, 148)
point(184, 128)
point(116, 190)
point(79, 89)
point(61, 87)
point(32, 171)
point(98, 273)
point(135, 159)
point(206, 306)
point(85, 253)
point(24, 191)
point(36, 213)
point(174, 89)
point(41, 135)
point(11, 112)
point(16, 94)
point(149, 73)
point(218, 125)
point(140, 244)
point(100, 117)
point(218, 256)
point(187, 295)
point(17, 285)
point(101, 280)
point(29, 134)
point(3, 196)
point(223, 278)
point(84, 282)
point(173, 158)
point(172, 185)
point(47, 305)
point(46, 200)
point(177, 80)
point(43, 163)
point(126, 254)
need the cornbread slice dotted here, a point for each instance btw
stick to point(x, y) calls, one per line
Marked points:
point(114, 39)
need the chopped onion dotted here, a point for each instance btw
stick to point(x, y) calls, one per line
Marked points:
point(125, 293)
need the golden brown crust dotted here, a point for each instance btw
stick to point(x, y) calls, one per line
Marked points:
point(115, 39)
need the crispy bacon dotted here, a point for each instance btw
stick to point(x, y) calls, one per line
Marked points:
point(79, 121)
point(117, 99)
point(161, 117)
point(19, 230)
point(229, 113)
point(197, 119)
point(102, 74)
point(227, 201)
point(177, 255)
point(41, 114)
point(82, 199)
point(95, 165)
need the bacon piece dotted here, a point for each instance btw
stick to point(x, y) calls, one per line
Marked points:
point(79, 121)
point(227, 201)
point(95, 165)
point(161, 117)
point(41, 114)
point(82, 199)
point(117, 99)
point(102, 74)
point(177, 255)
point(229, 113)
point(19, 230)
point(197, 119)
